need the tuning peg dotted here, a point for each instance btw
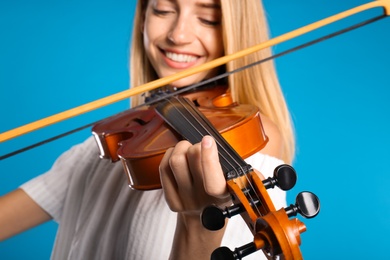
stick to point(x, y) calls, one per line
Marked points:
point(224, 253)
point(307, 204)
point(213, 218)
point(285, 178)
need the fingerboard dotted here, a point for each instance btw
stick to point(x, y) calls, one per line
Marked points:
point(183, 116)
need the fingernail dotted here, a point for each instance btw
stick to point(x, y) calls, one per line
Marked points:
point(207, 141)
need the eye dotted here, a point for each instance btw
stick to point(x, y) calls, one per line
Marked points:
point(210, 22)
point(161, 12)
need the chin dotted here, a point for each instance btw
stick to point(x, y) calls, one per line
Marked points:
point(187, 81)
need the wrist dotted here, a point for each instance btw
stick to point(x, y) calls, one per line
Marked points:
point(192, 240)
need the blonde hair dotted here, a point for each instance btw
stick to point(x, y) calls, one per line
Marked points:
point(244, 25)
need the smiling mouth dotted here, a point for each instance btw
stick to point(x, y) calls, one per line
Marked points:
point(182, 58)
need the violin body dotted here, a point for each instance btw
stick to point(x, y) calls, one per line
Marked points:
point(139, 137)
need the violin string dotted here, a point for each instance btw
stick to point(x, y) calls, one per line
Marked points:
point(182, 90)
point(205, 130)
point(224, 145)
point(232, 162)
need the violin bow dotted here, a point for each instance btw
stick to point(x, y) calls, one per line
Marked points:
point(27, 128)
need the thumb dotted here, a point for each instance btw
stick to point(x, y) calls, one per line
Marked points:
point(214, 179)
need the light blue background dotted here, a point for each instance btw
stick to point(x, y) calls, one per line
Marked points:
point(55, 55)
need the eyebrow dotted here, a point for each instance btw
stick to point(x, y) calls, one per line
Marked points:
point(208, 5)
point(203, 4)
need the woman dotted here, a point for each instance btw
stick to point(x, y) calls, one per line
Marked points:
point(99, 216)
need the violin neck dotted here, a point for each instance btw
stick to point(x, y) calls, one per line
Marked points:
point(177, 110)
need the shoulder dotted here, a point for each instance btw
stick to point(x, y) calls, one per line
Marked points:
point(274, 146)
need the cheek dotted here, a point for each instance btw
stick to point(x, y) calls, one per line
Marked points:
point(147, 33)
point(147, 48)
point(215, 45)
point(149, 36)
point(154, 28)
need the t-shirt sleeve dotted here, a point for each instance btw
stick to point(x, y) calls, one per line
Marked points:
point(49, 189)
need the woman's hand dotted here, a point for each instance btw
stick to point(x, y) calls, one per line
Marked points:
point(192, 179)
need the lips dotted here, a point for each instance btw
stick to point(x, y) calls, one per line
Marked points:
point(182, 58)
point(179, 60)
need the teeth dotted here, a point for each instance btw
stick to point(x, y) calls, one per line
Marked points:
point(180, 57)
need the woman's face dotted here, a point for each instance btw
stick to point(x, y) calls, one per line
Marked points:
point(180, 34)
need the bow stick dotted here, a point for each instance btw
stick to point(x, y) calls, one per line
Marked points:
point(10, 134)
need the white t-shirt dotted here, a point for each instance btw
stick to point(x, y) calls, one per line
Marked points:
point(100, 217)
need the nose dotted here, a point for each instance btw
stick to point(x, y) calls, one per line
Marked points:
point(181, 31)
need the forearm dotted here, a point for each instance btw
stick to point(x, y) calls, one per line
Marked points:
point(192, 240)
point(18, 212)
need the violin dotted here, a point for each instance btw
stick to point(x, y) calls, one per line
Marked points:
point(119, 138)
point(140, 137)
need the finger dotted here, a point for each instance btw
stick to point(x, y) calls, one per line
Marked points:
point(179, 166)
point(195, 166)
point(168, 183)
point(214, 179)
